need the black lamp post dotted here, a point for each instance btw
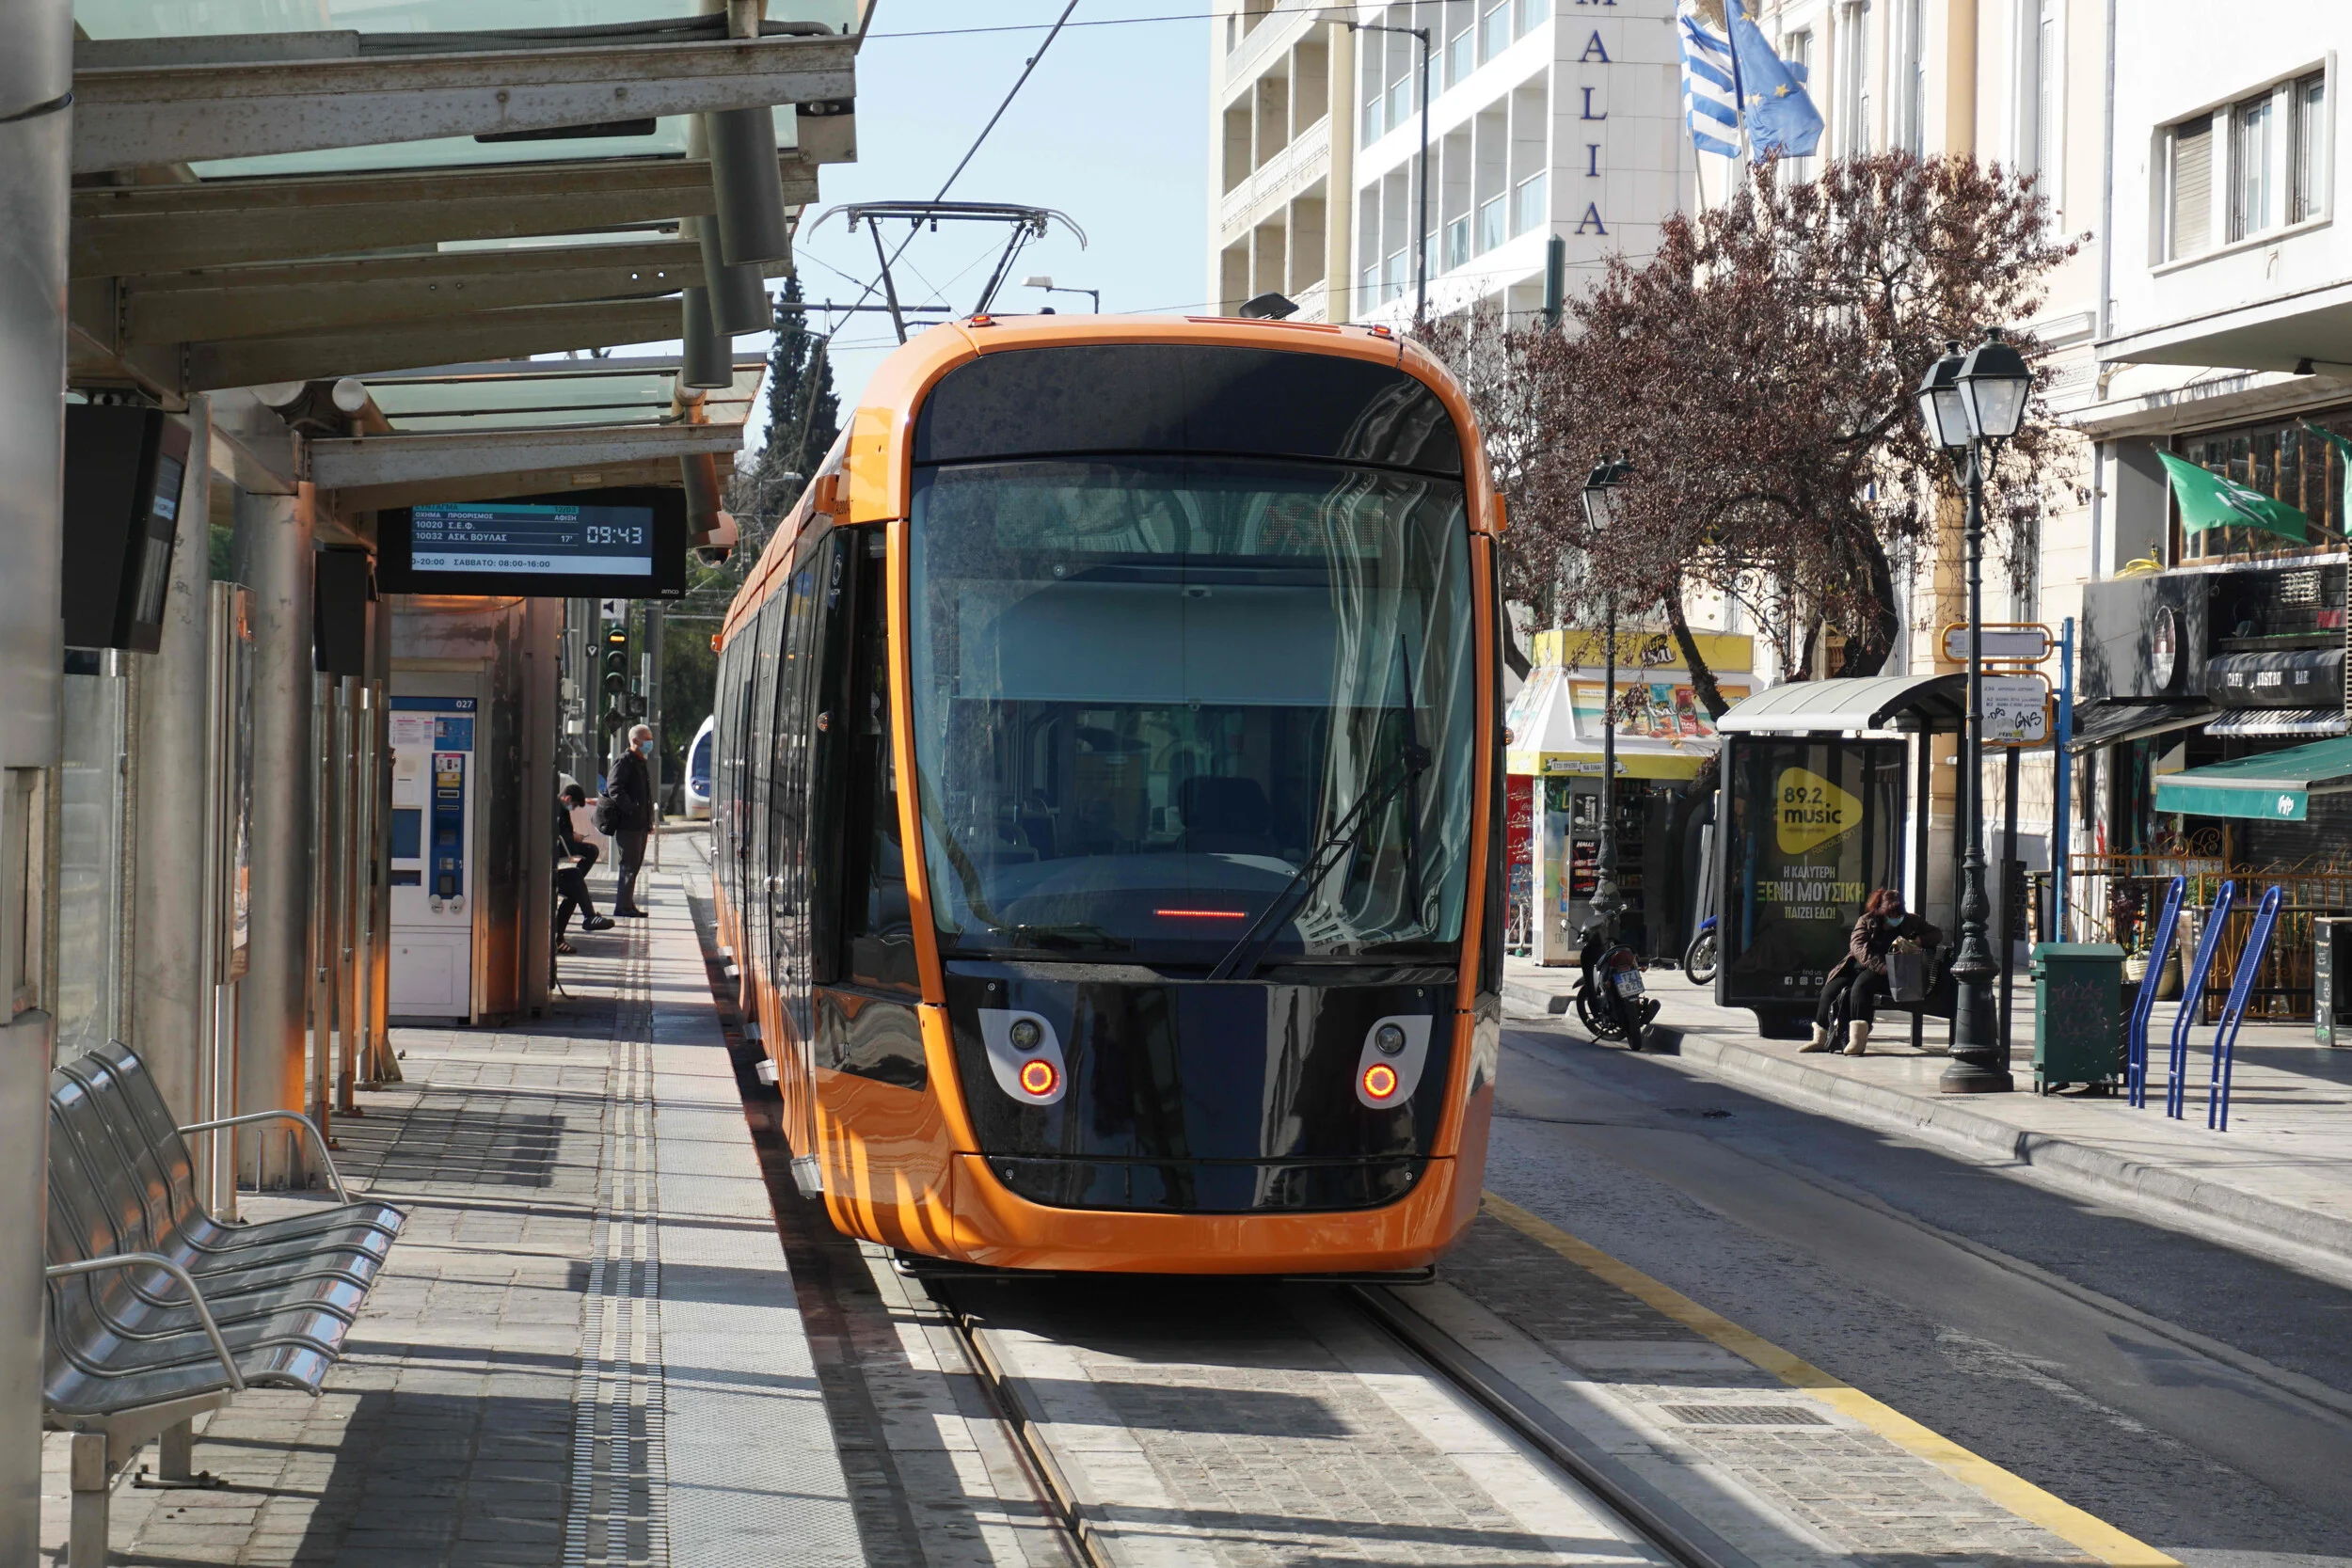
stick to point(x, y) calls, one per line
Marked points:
point(1970, 407)
point(1420, 236)
point(1600, 501)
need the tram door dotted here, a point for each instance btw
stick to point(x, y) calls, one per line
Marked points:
point(434, 864)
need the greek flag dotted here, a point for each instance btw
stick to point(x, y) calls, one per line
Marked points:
point(1710, 101)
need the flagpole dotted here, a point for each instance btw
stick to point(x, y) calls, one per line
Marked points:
point(1733, 9)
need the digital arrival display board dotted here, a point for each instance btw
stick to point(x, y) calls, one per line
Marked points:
point(590, 544)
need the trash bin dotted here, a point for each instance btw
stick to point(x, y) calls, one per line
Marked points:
point(2331, 981)
point(2077, 1015)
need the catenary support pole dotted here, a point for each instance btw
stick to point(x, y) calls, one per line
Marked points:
point(325, 942)
point(2008, 884)
point(384, 1063)
point(273, 553)
point(36, 135)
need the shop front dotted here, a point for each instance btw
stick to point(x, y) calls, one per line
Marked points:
point(1665, 738)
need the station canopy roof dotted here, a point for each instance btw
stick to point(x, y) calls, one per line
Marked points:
point(1862, 705)
point(2274, 786)
point(270, 193)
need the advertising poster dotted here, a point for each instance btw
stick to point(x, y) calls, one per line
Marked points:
point(1816, 826)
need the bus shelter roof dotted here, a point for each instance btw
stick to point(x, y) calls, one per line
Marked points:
point(1907, 704)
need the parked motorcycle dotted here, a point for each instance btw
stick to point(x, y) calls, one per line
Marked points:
point(1698, 960)
point(1611, 999)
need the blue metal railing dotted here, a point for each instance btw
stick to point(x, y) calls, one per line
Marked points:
point(2250, 965)
point(2144, 1005)
point(2192, 990)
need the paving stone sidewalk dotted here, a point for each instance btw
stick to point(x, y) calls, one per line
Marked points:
point(584, 1349)
point(2281, 1173)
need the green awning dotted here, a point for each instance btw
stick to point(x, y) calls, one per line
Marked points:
point(2276, 786)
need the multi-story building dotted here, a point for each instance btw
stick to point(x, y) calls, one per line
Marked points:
point(1545, 117)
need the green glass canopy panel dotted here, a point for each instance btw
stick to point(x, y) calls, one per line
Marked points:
point(553, 394)
point(2275, 787)
point(663, 138)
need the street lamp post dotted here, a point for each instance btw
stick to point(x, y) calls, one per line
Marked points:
point(1970, 407)
point(1421, 230)
point(1601, 500)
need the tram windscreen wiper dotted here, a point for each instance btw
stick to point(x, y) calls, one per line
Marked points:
point(1241, 962)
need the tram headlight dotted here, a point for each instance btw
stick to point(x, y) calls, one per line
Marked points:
point(1390, 1062)
point(1389, 1041)
point(1026, 1036)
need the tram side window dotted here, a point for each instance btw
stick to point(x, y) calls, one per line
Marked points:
point(877, 930)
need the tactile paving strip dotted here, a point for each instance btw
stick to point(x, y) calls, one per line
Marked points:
point(619, 1465)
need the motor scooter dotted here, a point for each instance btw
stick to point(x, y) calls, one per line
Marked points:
point(1611, 999)
point(1698, 960)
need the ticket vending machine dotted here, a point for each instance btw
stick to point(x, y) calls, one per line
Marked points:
point(434, 863)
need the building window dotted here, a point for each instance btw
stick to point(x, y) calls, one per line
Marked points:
point(1457, 243)
point(2041, 69)
point(2309, 101)
point(1909, 71)
point(1853, 78)
point(1797, 49)
point(1401, 47)
point(2188, 188)
point(1369, 64)
point(1527, 204)
point(1532, 14)
point(1490, 216)
point(1461, 46)
point(2283, 461)
point(2253, 180)
point(1394, 275)
point(1494, 28)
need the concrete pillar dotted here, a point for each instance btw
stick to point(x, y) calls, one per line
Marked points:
point(36, 132)
point(381, 1066)
point(1339, 186)
point(273, 556)
point(170, 990)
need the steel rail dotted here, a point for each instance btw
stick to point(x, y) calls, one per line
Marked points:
point(1054, 1492)
point(1653, 1516)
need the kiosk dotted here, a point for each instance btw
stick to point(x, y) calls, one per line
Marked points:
point(434, 867)
point(1664, 738)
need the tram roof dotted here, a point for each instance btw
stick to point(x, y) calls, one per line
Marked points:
point(874, 455)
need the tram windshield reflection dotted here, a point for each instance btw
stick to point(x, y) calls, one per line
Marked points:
point(1145, 689)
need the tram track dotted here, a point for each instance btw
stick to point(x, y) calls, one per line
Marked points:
point(1578, 1462)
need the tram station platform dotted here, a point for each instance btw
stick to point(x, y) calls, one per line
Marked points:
point(586, 1347)
point(2280, 1175)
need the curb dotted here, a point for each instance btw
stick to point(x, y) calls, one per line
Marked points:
point(2084, 1167)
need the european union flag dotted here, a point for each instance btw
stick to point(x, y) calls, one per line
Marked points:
point(1780, 114)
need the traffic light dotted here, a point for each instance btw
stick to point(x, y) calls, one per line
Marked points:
point(615, 664)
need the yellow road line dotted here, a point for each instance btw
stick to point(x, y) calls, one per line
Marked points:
point(2014, 1492)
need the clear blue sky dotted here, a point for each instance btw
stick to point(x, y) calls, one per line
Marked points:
point(1111, 129)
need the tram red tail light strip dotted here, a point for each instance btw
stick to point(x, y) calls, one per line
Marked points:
point(1039, 1078)
point(1202, 914)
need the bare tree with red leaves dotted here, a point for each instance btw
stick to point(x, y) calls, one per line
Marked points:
point(1758, 373)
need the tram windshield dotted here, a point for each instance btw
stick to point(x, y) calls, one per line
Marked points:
point(1146, 692)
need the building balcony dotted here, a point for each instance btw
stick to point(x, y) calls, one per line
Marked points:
point(1278, 180)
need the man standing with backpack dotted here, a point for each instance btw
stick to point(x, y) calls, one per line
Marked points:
point(627, 813)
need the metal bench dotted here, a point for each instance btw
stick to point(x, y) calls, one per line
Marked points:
point(157, 1312)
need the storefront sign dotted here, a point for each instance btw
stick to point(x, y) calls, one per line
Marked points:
point(2164, 646)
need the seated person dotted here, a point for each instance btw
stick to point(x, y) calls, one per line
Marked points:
point(1858, 984)
point(573, 858)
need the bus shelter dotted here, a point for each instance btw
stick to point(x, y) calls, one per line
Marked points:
point(1819, 781)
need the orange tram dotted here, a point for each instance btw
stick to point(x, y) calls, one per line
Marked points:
point(1107, 811)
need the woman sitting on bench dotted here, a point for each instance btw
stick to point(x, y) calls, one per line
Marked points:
point(1858, 984)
